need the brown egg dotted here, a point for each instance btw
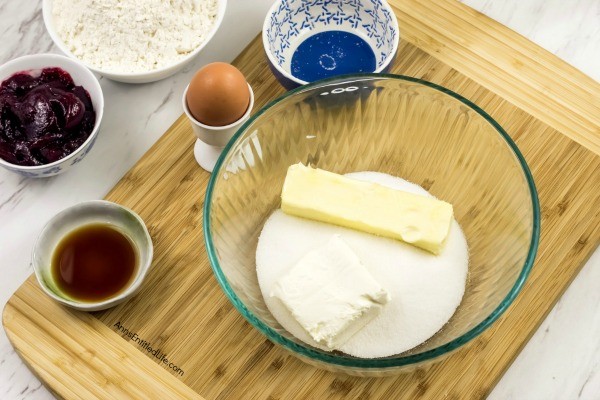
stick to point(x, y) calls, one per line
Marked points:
point(218, 94)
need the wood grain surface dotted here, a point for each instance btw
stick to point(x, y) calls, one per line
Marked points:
point(549, 108)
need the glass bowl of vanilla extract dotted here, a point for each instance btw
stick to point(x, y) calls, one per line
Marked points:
point(93, 256)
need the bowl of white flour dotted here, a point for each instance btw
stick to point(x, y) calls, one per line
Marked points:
point(133, 41)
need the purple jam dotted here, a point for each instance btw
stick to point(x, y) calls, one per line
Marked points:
point(43, 118)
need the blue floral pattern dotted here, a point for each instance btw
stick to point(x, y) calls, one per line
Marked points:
point(295, 19)
point(56, 169)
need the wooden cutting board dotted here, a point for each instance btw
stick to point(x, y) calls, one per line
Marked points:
point(549, 108)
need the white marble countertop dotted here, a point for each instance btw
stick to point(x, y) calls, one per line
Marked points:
point(561, 361)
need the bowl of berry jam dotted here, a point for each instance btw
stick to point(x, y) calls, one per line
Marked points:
point(309, 41)
point(50, 112)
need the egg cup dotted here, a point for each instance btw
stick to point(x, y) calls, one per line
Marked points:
point(212, 139)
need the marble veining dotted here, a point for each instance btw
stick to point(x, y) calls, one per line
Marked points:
point(562, 360)
point(23, 29)
point(570, 29)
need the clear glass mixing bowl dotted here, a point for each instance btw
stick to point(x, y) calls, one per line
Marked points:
point(398, 125)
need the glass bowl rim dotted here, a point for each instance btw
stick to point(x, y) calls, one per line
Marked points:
point(372, 363)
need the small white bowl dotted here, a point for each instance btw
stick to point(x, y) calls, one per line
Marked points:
point(91, 212)
point(83, 77)
point(289, 22)
point(141, 77)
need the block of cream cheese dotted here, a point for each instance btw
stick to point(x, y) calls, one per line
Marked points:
point(331, 293)
point(328, 197)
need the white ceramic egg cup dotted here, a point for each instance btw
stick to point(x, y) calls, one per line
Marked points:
point(212, 139)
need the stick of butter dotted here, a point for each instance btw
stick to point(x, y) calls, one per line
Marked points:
point(331, 293)
point(328, 197)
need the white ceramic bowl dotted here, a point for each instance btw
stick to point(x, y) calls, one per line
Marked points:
point(82, 76)
point(289, 22)
point(90, 212)
point(142, 77)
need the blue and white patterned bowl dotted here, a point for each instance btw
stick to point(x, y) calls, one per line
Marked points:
point(290, 22)
point(82, 76)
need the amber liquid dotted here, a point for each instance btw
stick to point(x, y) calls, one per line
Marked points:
point(94, 263)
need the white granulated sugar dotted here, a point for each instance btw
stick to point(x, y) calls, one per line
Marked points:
point(130, 36)
point(425, 289)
